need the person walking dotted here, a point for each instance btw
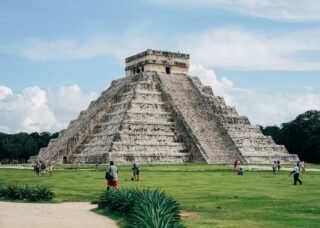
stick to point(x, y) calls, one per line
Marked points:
point(295, 172)
point(112, 176)
point(136, 172)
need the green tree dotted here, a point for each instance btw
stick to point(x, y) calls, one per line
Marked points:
point(300, 136)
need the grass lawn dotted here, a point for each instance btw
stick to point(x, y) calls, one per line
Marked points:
point(257, 199)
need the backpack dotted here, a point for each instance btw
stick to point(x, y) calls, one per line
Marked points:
point(107, 175)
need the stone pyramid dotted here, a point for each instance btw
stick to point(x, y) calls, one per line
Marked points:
point(160, 114)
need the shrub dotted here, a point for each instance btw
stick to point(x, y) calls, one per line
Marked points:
point(37, 193)
point(143, 208)
point(155, 210)
point(42, 193)
point(3, 191)
point(120, 200)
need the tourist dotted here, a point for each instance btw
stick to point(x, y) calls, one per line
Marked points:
point(295, 172)
point(136, 172)
point(43, 168)
point(302, 167)
point(50, 169)
point(298, 164)
point(112, 176)
point(241, 172)
point(274, 167)
point(37, 168)
point(278, 165)
point(235, 166)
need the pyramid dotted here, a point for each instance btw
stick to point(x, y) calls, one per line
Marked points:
point(159, 114)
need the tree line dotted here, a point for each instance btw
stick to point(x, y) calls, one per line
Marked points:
point(300, 136)
point(22, 145)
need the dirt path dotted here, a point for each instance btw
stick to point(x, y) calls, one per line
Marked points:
point(68, 215)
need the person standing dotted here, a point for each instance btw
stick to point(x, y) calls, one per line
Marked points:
point(136, 172)
point(274, 167)
point(295, 172)
point(50, 169)
point(303, 169)
point(37, 168)
point(235, 166)
point(112, 176)
point(43, 168)
point(278, 165)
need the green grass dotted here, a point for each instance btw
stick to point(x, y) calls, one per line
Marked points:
point(257, 199)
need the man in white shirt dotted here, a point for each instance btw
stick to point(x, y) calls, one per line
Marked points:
point(295, 172)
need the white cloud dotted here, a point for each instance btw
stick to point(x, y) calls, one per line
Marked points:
point(68, 102)
point(240, 48)
point(274, 109)
point(27, 111)
point(261, 107)
point(208, 77)
point(37, 110)
point(231, 47)
point(5, 92)
point(287, 10)
point(132, 41)
point(308, 88)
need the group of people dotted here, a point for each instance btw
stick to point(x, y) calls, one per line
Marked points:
point(111, 175)
point(299, 166)
point(40, 167)
point(276, 167)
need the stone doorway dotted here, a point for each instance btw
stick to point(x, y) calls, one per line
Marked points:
point(65, 160)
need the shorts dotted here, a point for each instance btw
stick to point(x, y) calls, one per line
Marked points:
point(113, 183)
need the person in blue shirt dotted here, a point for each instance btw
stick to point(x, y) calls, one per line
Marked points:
point(240, 172)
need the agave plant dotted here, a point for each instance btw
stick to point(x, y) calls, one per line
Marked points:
point(155, 210)
point(42, 193)
point(143, 208)
point(3, 191)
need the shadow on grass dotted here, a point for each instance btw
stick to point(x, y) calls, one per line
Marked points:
point(112, 215)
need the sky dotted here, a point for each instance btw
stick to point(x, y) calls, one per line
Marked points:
point(262, 56)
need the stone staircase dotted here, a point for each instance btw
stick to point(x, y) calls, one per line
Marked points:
point(252, 144)
point(147, 133)
point(214, 142)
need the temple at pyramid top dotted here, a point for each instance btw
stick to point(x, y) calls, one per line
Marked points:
point(158, 61)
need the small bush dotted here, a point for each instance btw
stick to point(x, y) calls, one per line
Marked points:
point(42, 193)
point(37, 193)
point(143, 208)
point(155, 210)
point(120, 200)
point(3, 191)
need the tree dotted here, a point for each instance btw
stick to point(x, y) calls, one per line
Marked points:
point(300, 136)
point(23, 145)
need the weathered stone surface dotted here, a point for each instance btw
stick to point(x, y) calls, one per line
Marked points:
point(156, 116)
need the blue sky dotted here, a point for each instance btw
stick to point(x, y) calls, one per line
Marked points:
point(262, 56)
